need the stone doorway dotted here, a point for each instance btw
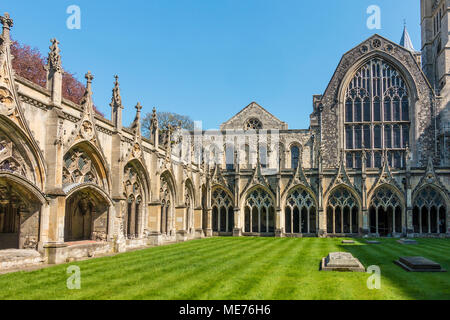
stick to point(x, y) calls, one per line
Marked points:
point(86, 217)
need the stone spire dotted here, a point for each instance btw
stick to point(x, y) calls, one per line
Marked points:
point(7, 24)
point(406, 40)
point(54, 73)
point(86, 101)
point(54, 56)
point(116, 105)
point(154, 128)
point(136, 126)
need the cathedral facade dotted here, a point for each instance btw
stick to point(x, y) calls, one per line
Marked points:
point(375, 160)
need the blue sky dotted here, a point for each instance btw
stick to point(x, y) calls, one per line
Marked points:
point(209, 58)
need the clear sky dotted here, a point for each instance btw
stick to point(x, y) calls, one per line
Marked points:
point(209, 58)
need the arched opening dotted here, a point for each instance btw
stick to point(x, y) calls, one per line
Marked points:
point(259, 205)
point(20, 212)
point(342, 212)
point(385, 213)
point(429, 212)
point(167, 201)
point(189, 203)
point(134, 191)
point(86, 216)
point(221, 200)
point(300, 212)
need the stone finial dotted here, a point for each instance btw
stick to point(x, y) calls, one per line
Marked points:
point(154, 121)
point(7, 24)
point(138, 109)
point(54, 56)
point(87, 98)
point(116, 100)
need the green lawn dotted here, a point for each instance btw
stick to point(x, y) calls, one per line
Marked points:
point(240, 268)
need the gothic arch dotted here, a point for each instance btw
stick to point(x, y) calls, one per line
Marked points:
point(167, 195)
point(258, 207)
point(189, 201)
point(222, 209)
point(20, 212)
point(386, 211)
point(393, 188)
point(382, 117)
point(87, 213)
point(14, 140)
point(86, 150)
point(342, 210)
point(136, 191)
point(301, 213)
point(430, 210)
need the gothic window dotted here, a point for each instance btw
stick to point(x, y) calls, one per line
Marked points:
point(222, 211)
point(342, 212)
point(79, 168)
point(253, 124)
point(166, 207)
point(259, 212)
point(385, 213)
point(12, 161)
point(134, 192)
point(300, 212)
point(429, 213)
point(295, 155)
point(376, 114)
point(189, 202)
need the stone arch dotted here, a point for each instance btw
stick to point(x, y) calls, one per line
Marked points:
point(430, 210)
point(374, 157)
point(222, 206)
point(168, 199)
point(386, 211)
point(190, 203)
point(259, 210)
point(20, 212)
point(343, 210)
point(136, 187)
point(20, 154)
point(300, 210)
point(87, 213)
point(73, 171)
point(295, 147)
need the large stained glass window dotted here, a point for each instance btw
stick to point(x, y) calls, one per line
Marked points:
point(376, 116)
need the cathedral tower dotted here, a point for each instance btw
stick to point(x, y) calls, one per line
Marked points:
point(436, 64)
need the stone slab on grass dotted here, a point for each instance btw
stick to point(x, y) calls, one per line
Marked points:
point(341, 261)
point(373, 242)
point(407, 241)
point(419, 264)
point(348, 241)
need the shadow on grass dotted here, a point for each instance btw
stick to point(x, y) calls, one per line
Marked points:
point(416, 285)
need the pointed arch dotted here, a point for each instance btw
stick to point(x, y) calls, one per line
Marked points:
point(372, 192)
point(300, 210)
point(27, 148)
point(169, 177)
point(141, 168)
point(97, 160)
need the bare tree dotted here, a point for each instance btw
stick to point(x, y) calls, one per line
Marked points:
point(166, 119)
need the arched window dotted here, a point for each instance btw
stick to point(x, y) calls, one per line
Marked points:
point(300, 212)
point(377, 100)
point(385, 213)
point(259, 212)
point(134, 192)
point(189, 202)
point(295, 155)
point(342, 212)
point(430, 212)
point(223, 211)
point(166, 207)
point(253, 124)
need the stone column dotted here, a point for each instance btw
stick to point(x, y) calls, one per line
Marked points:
point(237, 230)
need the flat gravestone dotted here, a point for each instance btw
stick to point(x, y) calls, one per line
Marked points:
point(407, 241)
point(373, 242)
point(348, 241)
point(341, 261)
point(419, 264)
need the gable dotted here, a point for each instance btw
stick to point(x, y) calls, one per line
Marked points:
point(251, 113)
